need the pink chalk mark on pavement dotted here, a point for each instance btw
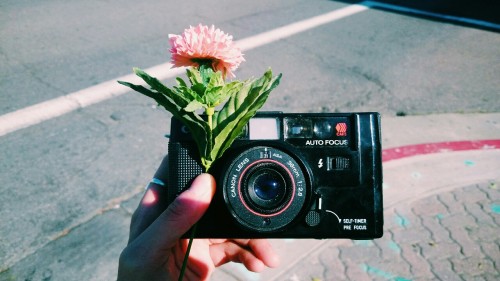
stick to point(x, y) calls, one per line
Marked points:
point(438, 147)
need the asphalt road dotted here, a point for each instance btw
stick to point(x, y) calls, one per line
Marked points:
point(61, 173)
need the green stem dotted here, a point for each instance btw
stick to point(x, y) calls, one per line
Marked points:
point(210, 113)
point(186, 257)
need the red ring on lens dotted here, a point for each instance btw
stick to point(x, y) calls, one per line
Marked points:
point(241, 195)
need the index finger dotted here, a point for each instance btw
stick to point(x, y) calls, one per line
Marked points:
point(265, 251)
point(262, 249)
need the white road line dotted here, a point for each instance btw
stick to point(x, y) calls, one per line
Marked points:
point(49, 109)
point(300, 26)
point(46, 110)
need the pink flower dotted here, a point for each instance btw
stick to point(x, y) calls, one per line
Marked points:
point(203, 43)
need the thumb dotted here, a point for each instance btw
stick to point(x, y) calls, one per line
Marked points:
point(183, 212)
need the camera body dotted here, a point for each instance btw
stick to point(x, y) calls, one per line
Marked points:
point(290, 175)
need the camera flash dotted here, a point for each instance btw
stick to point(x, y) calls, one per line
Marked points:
point(263, 129)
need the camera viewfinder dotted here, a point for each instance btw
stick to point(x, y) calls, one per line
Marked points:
point(264, 129)
point(298, 128)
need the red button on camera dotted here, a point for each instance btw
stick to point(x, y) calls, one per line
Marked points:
point(341, 129)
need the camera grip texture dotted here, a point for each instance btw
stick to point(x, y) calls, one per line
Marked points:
point(182, 157)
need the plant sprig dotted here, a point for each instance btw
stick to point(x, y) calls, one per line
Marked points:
point(206, 90)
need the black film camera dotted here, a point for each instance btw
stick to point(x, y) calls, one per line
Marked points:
point(301, 175)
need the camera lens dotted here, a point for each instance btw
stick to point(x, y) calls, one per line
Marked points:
point(267, 188)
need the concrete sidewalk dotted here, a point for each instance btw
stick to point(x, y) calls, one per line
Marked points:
point(442, 215)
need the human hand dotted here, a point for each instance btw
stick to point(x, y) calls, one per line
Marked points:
point(156, 251)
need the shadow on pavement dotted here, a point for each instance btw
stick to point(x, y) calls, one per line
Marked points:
point(480, 14)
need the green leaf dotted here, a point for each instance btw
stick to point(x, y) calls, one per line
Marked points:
point(194, 76)
point(196, 125)
point(216, 80)
point(180, 82)
point(228, 91)
point(213, 96)
point(166, 102)
point(193, 106)
point(233, 117)
point(187, 93)
point(156, 85)
point(200, 90)
point(159, 98)
point(206, 73)
point(218, 91)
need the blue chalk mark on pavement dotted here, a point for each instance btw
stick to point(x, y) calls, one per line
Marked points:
point(364, 243)
point(394, 246)
point(402, 221)
point(495, 208)
point(469, 163)
point(381, 273)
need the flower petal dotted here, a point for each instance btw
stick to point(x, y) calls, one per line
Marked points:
point(207, 43)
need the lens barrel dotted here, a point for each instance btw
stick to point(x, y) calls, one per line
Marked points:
point(264, 188)
point(267, 188)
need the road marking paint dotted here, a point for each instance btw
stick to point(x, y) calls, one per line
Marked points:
point(300, 26)
point(49, 109)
